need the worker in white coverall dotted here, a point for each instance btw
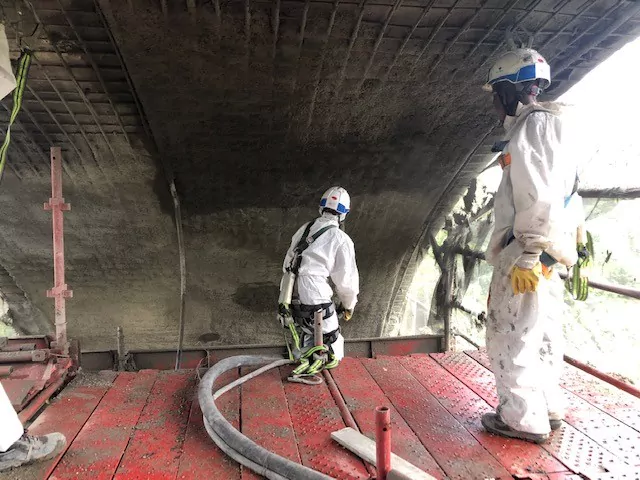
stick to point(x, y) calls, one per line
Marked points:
point(328, 255)
point(17, 448)
point(537, 212)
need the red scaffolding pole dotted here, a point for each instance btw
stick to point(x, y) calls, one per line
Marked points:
point(59, 291)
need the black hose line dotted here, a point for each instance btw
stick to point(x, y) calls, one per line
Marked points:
point(235, 440)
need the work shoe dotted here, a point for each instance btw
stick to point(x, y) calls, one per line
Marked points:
point(493, 424)
point(555, 421)
point(31, 449)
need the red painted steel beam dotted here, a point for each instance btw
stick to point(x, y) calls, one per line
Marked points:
point(627, 387)
point(37, 402)
point(28, 356)
point(201, 458)
point(383, 442)
point(18, 347)
point(59, 292)
point(98, 448)
point(6, 370)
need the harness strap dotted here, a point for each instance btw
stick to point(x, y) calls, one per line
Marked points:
point(303, 244)
point(21, 81)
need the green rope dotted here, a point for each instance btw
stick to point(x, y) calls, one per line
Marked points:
point(21, 81)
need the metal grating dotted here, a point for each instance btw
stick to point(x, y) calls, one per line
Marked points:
point(571, 446)
point(604, 428)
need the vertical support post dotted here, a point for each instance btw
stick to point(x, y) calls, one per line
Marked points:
point(317, 328)
point(383, 442)
point(59, 292)
point(121, 361)
point(448, 277)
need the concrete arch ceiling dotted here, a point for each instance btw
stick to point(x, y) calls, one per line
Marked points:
point(257, 106)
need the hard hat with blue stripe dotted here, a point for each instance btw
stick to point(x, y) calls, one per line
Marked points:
point(336, 199)
point(519, 66)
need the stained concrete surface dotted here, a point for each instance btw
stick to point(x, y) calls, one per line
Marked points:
point(255, 129)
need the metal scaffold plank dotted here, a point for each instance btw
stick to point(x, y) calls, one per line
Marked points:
point(572, 447)
point(608, 398)
point(315, 415)
point(520, 458)
point(155, 448)
point(67, 414)
point(454, 448)
point(266, 419)
point(99, 446)
point(362, 395)
point(614, 435)
point(201, 458)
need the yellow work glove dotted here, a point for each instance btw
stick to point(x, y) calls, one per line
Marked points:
point(347, 315)
point(525, 280)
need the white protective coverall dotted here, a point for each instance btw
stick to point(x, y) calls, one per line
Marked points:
point(10, 427)
point(331, 256)
point(524, 332)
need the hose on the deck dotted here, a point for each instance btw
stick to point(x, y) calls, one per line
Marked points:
point(234, 443)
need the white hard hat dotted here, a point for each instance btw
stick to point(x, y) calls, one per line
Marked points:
point(336, 199)
point(517, 66)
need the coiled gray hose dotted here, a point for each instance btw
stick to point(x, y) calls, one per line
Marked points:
point(234, 443)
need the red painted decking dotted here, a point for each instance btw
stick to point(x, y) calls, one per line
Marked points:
point(148, 425)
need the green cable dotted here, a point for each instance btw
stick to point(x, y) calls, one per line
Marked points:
point(21, 81)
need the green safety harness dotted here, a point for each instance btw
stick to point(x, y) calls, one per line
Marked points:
point(576, 283)
point(317, 357)
point(21, 81)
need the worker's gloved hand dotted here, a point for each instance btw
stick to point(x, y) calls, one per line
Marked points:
point(524, 280)
point(344, 313)
point(284, 315)
point(584, 257)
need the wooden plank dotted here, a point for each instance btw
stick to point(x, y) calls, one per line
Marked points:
point(201, 458)
point(365, 448)
point(99, 446)
point(457, 452)
point(266, 419)
point(315, 416)
point(520, 458)
point(362, 395)
point(67, 414)
point(155, 448)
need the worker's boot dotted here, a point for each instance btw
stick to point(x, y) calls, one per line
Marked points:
point(494, 424)
point(31, 449)
point(555, 420)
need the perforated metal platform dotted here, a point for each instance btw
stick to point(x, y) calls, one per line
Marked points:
point(149, 425)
